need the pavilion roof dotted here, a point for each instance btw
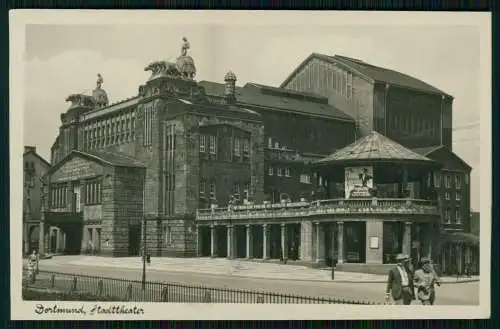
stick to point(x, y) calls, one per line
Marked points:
point(375, 148)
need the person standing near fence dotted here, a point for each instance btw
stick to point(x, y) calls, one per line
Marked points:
point(400, 282)
point(33, 265)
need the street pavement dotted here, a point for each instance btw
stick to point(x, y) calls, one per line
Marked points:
point(240, 268)
point(227, 277)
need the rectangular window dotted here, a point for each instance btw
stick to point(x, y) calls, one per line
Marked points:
point(203, 183)
point(458, 181)
point(270, 171)
point(437, 179)
point(458, 196)
point(305, 179)
point(168, 235)
point(448, 181)
point(148, 122)
point(212, 191)
point(458, 216)
point(447, 195)
point(93, 191)
point(213, 146)
point(203, 143)
point(279, 171)
point(287, 172)
point(246, 147)
point(447, 216)
point(237, 150)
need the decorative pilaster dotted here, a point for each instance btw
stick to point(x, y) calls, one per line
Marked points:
point(284, 242)
point(306, 241)
point(230, 242)
point(249, 248)
point(340, 241)
point(213, 241)
point(407, 239)
point(41, 238)
point(266, 241)
point(320, 243)
point(199, 242)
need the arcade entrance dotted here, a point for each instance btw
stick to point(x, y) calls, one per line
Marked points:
point(71, 224)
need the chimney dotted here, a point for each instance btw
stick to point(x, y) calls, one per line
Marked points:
point(29, 149)
point(230, 84)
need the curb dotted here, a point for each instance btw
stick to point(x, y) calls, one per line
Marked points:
point(267, 278)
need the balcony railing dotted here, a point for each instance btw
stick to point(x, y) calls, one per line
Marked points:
point(321, 207)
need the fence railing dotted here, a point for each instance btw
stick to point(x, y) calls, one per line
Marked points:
point(321, 207)
point(111, 289)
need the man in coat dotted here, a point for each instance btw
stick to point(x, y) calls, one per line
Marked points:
point(400, 282)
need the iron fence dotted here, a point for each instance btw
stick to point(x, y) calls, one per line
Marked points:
point(98, 288)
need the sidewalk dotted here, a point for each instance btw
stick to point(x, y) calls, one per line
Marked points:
point(222, 266)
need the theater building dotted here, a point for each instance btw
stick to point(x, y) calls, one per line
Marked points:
point(186, 167)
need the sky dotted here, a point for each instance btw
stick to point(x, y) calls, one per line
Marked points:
point(64, 59)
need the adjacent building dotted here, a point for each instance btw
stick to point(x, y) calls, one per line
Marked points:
point(34, 167)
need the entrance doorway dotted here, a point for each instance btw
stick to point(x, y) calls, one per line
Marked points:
point(355, 242)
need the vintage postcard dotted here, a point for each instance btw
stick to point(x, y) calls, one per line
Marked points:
point(250, 165)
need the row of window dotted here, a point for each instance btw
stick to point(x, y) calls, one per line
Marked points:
point(148, 124)
point(208, 143)
point(449, 180)
point(92, 192)
point(447, 216)
point(415, 125)
point(320, 76)
point(286, 172)
point(115, 130)
point(458, 196)
point(58, 195)
point(210, 193)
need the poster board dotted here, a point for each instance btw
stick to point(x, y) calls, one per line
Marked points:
point(358, 181)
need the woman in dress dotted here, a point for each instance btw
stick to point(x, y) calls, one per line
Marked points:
point(425, 279)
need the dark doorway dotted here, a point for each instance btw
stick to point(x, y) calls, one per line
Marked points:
point(275, 245)
point(72, 226)
point(392, 241)
point(293, 235)
point(205, 241)
point(134, 239)
point(240, 235)
point(258, 242)
point(34, 237)
point(355, 242)
point(53, 241)
point(221, 241)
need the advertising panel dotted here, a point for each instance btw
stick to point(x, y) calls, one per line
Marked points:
point(358, 182)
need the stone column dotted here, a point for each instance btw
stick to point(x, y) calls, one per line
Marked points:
point(248, 229)
point(266, 241)
point(58, 239)
point(407, 239)
point(284, 242)
point(340, 241)
point(430, 238)
point(230, 242)
point(213, 241)
point(199, 242)
point(306, 241)
point(320, 244)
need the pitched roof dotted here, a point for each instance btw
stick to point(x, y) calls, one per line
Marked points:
point(375, 147)
point(102, 157)
point(280, 99)
point(427, 151)
point(375, 73)
point(38, 156)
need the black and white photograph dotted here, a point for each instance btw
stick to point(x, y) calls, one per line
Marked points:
point(244, 165)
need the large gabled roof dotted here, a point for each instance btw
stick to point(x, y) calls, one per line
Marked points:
point(373, 72)
point(375, 148)
point(280, 99)
point(101, 157)
point(427, 151)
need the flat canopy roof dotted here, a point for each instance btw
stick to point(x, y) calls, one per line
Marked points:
point(375, 149)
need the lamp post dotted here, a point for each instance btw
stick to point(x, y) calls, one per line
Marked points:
point(143, 253)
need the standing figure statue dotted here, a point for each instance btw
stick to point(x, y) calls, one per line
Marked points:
point(185, 46)
point(100, 80)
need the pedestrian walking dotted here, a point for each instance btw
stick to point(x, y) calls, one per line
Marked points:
point(400, 282)
point(425, 279)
